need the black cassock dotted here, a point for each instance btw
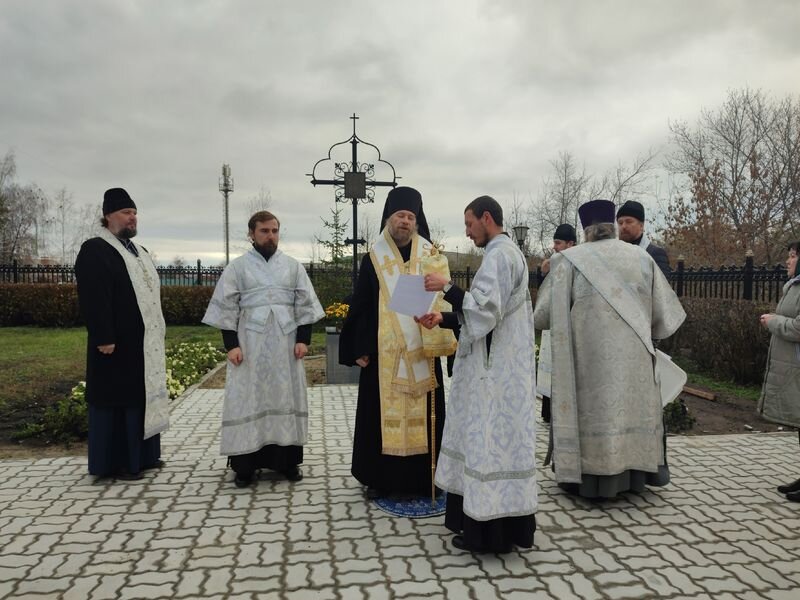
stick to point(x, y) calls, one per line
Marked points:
point(115, 389)
point(359, 337)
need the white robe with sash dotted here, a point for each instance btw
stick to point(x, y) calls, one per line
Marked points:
point(489, 438)
point(607, 301)
point(265, 396)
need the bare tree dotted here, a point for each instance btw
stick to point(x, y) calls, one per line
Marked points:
point(261, 201)
point(625, 182)
point(64, 222)
point(367, 229)
point(23, 206)
point(437, 231)
point(566, 188)
point(87, 226)
point(741, 164)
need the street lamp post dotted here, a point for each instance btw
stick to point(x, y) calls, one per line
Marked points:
point(226, 187)
point(520, 235)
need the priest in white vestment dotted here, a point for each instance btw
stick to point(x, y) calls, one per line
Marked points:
point(604, 303)
point(563, 238)
point(487, 463)
point(264, 304)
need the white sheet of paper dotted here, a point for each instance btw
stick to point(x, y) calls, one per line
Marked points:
point(410, 298)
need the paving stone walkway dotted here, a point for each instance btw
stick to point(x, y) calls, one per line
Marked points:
point(720, 530)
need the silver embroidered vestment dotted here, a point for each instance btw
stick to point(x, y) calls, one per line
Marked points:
point(604, 302)
point(487, 453)
point(265, 396)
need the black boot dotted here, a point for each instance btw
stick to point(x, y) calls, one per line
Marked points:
point(242, 480)
point(789, 487)
point(293, 474)
point(793, 496)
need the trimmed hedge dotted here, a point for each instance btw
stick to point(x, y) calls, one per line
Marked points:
point(43, 304)
point(56, 305)
point(723, 337)
point(185, 305)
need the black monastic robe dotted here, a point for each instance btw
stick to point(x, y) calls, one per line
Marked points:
point(359, 337)
point(115, 388)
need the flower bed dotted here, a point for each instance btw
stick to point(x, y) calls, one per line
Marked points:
point(67, 419)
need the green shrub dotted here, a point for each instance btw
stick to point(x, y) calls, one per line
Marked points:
point(185, 304)
point(723, 337)
point(56, 305)
point(332, 284)
point(64, 421)
point(677, 417)
point(44, 304)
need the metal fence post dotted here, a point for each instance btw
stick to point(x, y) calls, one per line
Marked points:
point(681, 265)
point(15, 271)
point(199, 274)
point(748, 275)
point(469, 278)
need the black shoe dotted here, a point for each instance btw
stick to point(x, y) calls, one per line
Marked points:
point(793, 496)
point(458, 542)
point(243, 480)
point(125, 476)
point(294, 474)
point(789, 487)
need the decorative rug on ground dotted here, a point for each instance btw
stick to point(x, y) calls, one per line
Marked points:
point(414, 507)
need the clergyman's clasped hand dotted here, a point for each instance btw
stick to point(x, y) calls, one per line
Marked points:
point(429, 320)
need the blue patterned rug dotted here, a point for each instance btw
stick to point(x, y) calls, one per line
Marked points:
point(414, 508)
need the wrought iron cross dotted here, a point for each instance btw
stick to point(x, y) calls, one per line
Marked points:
point(354, 182)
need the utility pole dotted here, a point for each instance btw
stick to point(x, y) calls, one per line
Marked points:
point(226, 187)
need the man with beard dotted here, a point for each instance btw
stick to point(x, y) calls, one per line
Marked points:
point(487, 464)
point(126, 381)
point(264, 304)
point(630, 220)
point(391, 443)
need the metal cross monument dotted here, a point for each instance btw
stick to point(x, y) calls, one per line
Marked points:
point(355, 182)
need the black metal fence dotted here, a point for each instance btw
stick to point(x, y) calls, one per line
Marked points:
point(745, 282)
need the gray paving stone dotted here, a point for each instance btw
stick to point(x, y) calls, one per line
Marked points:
point(719, 530)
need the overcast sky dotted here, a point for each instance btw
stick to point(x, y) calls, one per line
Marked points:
point(463, 97)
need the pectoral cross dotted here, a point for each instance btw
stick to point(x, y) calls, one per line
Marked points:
point(389, 265)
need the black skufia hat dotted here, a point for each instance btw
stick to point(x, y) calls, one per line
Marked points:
point(631, 209)
point(116, 199)
point(406, 198)
point(595, 212)
point(566, 233)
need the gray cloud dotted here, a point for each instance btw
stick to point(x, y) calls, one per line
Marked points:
point(463, 97)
